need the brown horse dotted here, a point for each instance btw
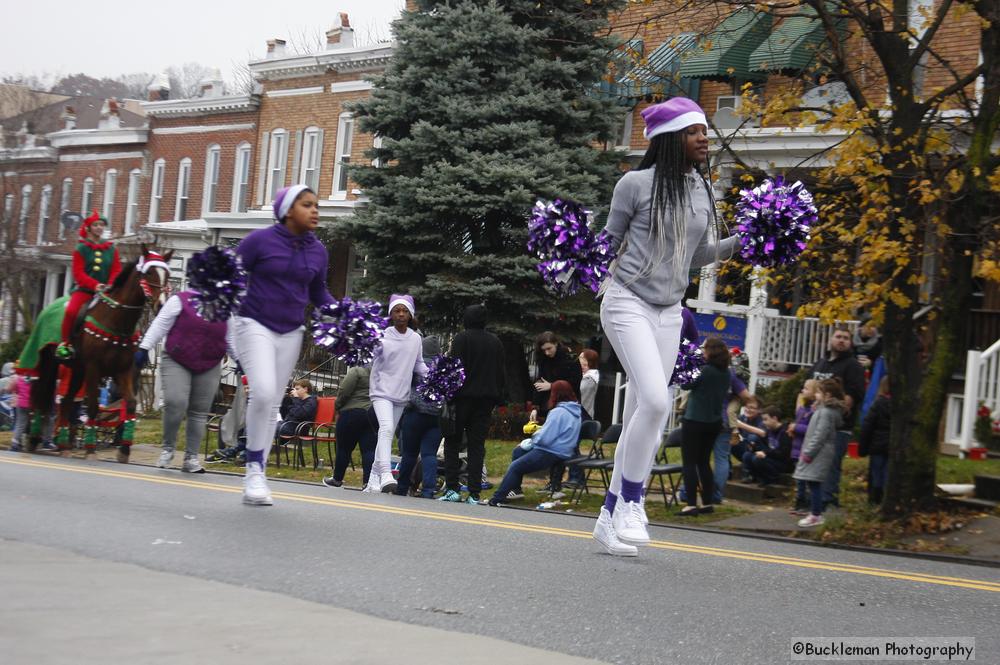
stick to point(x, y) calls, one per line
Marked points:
point(105, 347)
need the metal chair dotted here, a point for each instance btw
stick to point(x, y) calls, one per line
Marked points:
point(314, 432)
point(663, 467)
point(596, 460)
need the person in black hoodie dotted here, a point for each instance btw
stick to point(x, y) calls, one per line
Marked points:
point(485, 387)
point(554, 364)
point(874, 442)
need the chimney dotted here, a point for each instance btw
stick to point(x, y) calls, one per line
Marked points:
point(69, 118)
point(341, 35)
point(275, 48)
point(109, 115)
point(159, 89)
point(212, 85)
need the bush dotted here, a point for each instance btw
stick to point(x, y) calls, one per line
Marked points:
point(10, 350)
point(507, 422)
point(783, 394)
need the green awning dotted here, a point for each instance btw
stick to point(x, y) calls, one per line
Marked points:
point(658, 75)
point(790, 48)
point(724, 53)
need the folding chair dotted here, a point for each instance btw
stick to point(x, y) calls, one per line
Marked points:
point(597, 461)
point(589, 430)
point(314, 432)
point(663, 467)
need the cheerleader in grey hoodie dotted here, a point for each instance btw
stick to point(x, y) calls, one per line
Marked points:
point(660, 223)
point(287, 267)
point(396, 361)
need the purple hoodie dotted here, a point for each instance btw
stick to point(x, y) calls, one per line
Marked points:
point(802, 416)
point(286, 273)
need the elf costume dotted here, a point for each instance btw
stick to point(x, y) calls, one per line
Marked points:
point(95, 265)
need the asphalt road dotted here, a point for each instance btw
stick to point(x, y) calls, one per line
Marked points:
point(180, 569)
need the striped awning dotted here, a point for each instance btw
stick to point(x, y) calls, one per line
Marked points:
point(658, 75)
point(724, 53)
point(791, 47)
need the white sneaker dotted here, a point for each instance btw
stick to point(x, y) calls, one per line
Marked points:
point(604, 533)
point(627, 521)
point(255, 491)
point(811, 520)
point(373, 485)
point(642, 511)
point(192, 465)
point(387, 484)
point(166, 459)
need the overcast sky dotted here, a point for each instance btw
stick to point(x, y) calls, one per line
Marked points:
point(107, 39)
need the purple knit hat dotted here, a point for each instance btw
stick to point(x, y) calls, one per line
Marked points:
point(405, 300)
point(284, 199)
point(671, 116)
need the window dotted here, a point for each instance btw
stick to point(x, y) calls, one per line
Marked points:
point(156, 191)
point(213, 157)
point(64, 202)
point(624, 139)
point(345, 127)
point(312, 152)
point(183, 189)
point(377, 145)
point(110, 189)
point(241, 178)
point(44, 211)
point(22, 223)
point(8, 216)
point(132, 203)
point(87, 200)
point(276, 161)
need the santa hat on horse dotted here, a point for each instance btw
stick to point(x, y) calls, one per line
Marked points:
point(85, 225)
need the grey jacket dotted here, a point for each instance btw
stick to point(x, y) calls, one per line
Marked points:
point(818, 444)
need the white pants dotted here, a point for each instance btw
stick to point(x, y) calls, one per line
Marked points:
point(646, 339)
point(268, 359)
point(388, 415)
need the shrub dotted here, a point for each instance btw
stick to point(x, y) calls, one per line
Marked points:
point(783, 393)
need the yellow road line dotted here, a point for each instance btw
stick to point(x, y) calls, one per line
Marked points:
point(981, 585)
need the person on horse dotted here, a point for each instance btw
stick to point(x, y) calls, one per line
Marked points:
point(95, 266)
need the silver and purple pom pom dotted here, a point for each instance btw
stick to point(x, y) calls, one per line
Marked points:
point(445, 375)
point(217, 277)
point(773, 221)
point(570, 254)
point(690, 360)
point(351, 331)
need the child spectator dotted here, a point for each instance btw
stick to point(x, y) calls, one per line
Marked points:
point(819, 452)
point(301, 409)
point(797, 430)
point(751, 432)
point(874, 442)
point(22, 389)
point(772, 456)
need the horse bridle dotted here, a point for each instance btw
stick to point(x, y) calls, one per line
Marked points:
point(155, 260)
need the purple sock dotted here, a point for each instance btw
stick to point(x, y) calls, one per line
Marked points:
point(610, 499)
point(255, 456)
point(631, 491)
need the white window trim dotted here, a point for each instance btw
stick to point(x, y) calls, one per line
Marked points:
point(624, 139)
point(309, 168)
point(183, 188)
point(87, 197)
point(244, 151)
point(156, 190)
point(23, 214)
point(210, 192)
point(345, 131)
point(8, 217)
point(110, 192)
point(44, 212)
point(66, 194)
point(277, 163)
point(132, 202)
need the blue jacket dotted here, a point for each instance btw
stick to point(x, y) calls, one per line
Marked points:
point(561, 431)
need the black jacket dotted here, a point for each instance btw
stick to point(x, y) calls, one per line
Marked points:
point(302, 410)
point(561, 367)
point(874, 438)
point(481, 353)
point(850, 372)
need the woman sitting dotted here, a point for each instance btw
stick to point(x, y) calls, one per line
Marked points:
point(555, 441)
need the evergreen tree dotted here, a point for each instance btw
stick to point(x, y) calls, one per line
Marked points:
point(486, 106)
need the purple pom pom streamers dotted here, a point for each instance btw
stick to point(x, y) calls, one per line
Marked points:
point(351, 331)
point(773, 221)
point(690, 360)
point(217, 277)
point(570, 254)
point(445, 376)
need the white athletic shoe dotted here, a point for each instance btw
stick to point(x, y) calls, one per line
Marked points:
point(255, 491)
point(166, 459)
point(192, 465)
point(642, 511)
point(387, 484)
point(604, 533)
point(627, 521)
point(373, 484)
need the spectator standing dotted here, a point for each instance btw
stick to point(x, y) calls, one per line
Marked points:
point(20, 388)
point(840, 363)
point(873, 442)
point(420, 434)
point(589, 361)
point(797, 430)
point(482, 355)
point(701, 424)
point(354, 427)
point(867, 343)
point(819, 447)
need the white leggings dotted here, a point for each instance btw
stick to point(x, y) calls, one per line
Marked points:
point(268, 359)
point(646, 339)
point(388, 414)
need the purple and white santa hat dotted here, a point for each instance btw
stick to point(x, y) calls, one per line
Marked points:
point(671, 116)
point(284, 199)
point(405, 300)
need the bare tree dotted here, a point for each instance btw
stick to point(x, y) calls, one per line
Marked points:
point(185, 81)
